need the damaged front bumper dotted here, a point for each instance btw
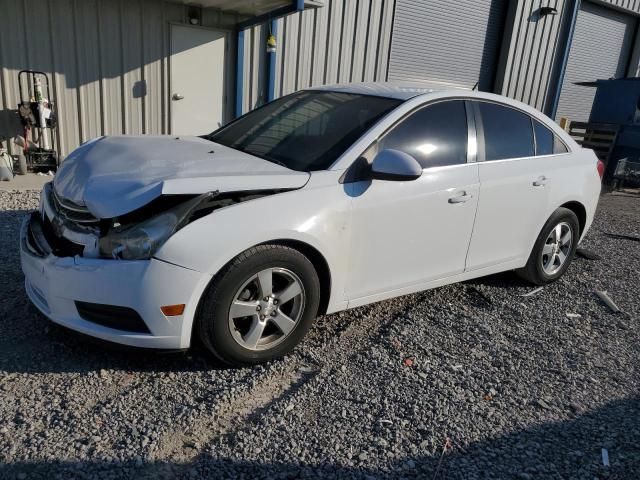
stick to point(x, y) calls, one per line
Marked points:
point(115, 300)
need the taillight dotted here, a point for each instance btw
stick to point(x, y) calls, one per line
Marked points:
point(600, 168)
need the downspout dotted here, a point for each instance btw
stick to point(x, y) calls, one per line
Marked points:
point(565, 59)
point(271, 65)
point(239, 72)
point(295, 5)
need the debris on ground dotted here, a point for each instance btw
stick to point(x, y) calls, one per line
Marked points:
point(622, 236)
point(573, 315)
point(409, 361)
point(445, 449)
point(604, 296)
point(588, 254)
point(543, 404)
point(532, 292)
point(605, 457)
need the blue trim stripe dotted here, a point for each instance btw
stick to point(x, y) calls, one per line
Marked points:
point(239, 73)
point(271, 89)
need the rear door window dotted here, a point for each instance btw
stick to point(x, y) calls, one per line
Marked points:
point(435, 135)
point(508, 133)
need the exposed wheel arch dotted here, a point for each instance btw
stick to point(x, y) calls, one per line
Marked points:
point(580, 211)
point(319, 263)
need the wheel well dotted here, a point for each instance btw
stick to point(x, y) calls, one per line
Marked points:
point(319, 263)
point(580, 211)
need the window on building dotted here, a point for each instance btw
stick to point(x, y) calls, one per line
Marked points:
point(435, 135)
point(507, 132)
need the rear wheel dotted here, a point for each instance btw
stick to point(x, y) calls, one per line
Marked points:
point(260, 306)
point(554, 248)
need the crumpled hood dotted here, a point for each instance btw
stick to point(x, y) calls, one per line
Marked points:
point(112, 176)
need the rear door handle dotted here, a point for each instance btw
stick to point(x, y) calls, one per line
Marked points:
point(461, 198)
point(541, 181)
point(177, 96)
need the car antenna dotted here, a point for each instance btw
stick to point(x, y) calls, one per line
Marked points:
point(475, 87)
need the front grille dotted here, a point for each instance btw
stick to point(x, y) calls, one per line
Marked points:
point(35, 236)
point(67, 228)
point(112, 316)
point(60, 246)
point(71, 211)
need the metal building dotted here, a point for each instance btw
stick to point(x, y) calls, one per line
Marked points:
point(174, 67)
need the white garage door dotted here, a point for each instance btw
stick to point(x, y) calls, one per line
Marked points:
point(444, 41)
point(600, 49)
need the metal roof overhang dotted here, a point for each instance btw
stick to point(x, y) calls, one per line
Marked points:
point(256, 11)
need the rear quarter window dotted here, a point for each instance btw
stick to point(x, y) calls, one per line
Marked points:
point(547, 142)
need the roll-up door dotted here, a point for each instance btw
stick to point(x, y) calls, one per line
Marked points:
point(444, 41)
point(600, 49)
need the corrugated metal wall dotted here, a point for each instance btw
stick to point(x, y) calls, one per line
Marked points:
point(107, 59)
point(343, 41)
point(630, 5)
point(350, 40)
point(533, 45)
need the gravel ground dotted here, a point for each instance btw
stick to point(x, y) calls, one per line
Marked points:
point(467, 381)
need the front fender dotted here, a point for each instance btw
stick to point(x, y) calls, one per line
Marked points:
point(316, 215)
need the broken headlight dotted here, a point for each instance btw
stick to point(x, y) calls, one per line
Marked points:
point(144, 239)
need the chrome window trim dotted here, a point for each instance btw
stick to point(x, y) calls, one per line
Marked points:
point(515, 159)
point(480, 129)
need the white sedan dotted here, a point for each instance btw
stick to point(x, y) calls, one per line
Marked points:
point(322, 200)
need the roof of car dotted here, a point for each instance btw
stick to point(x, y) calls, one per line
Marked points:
point(399, 90)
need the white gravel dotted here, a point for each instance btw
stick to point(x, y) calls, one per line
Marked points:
point(466, 381)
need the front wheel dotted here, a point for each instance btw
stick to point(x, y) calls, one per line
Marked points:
point(554, 248)
point(259, 306)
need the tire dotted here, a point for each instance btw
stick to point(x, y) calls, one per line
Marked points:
point(242, 283)
point(546, 263)
point(22, 165)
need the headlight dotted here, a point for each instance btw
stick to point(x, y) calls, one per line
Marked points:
point(144, 239)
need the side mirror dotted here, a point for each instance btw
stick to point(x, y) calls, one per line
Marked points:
point(395, 165)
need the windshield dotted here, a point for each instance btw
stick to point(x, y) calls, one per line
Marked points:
point(307, 130)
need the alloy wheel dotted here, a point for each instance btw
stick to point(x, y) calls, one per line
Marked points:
point(266, 308)
point(556, 248)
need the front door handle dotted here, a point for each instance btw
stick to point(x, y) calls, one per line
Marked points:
point(541, 181)
point(461, 198)
point(177, 96)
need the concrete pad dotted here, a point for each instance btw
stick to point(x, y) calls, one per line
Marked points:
point(30, 181)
